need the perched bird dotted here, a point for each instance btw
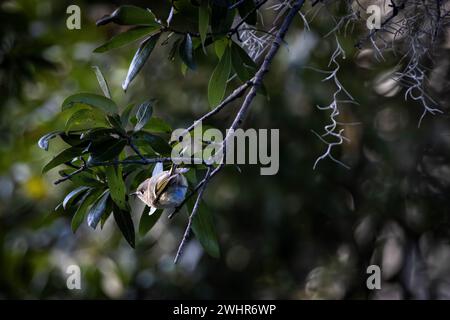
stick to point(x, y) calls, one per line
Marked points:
point(164, 189)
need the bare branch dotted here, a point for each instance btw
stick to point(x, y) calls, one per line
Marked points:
point(192, 216)
point(240, 116)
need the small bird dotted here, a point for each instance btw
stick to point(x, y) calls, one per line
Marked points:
point(164, 189)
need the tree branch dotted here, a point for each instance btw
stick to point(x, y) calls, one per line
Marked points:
point(257, 81)
point(143, 161)
point(237, 93)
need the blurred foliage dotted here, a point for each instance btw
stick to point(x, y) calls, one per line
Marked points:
point(302, 233)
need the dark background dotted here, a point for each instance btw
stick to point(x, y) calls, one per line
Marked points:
point(300, 234)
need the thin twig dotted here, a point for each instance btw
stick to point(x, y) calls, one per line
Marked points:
point(70, 175)
point(135, 149)
point(237, 93)
point(191, 218)
point(143, 161)
point(191, 194)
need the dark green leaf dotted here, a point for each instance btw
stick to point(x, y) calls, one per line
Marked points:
point(97, 210)
point(247, 12)
point(43, 141)
point(85, 119)
point(139, 59)
point(203, 21)
point(221, 17)
point(191, 176)
point(158, 144)
point(84, 204)
point(130, 15)
point(218, 81)
point(186, 52)
point(156, 124)
point(147, 221)
point(107, 151)
point(82, 179)
point(115, 122)
point(143, 114)
point(125, 224)
point(243, 65)
point(92, 100)
point(72, 139)
point(65, 156)
point(125, 38)
point(204, 230)
point(97, 134)
point(125, 116)
point(116, 186)
point(72, 195)
point(108, 210)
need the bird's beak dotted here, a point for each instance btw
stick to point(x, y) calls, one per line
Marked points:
point(133, 194)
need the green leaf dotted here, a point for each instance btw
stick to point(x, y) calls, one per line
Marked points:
point(84, 204)
point(186, 52)
point(85, 119)
point(218, 81)
point(139, 59)
point(220, 46)
point(130, 15)
point(221, 17)
point(91, 100)
point(65, 156)
point(143, 114)
point(116, 186)
point(247, 12)
point(107, 151)
point(204, 230)
point(96, 134)
point(72, 139)
point(158, 144)
point(125, 116)
point(203, 21)
point(116, 123)
point(44, 140)
point(102, 82)
point(147, 221)
point(125, 224)
point(84, 178)
point(243, 65)
point(72, 195)
point(125, 38)
point(156, 124)
point(107, 213)
point(95, 213)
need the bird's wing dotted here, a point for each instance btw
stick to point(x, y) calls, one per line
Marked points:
point(162, 185)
